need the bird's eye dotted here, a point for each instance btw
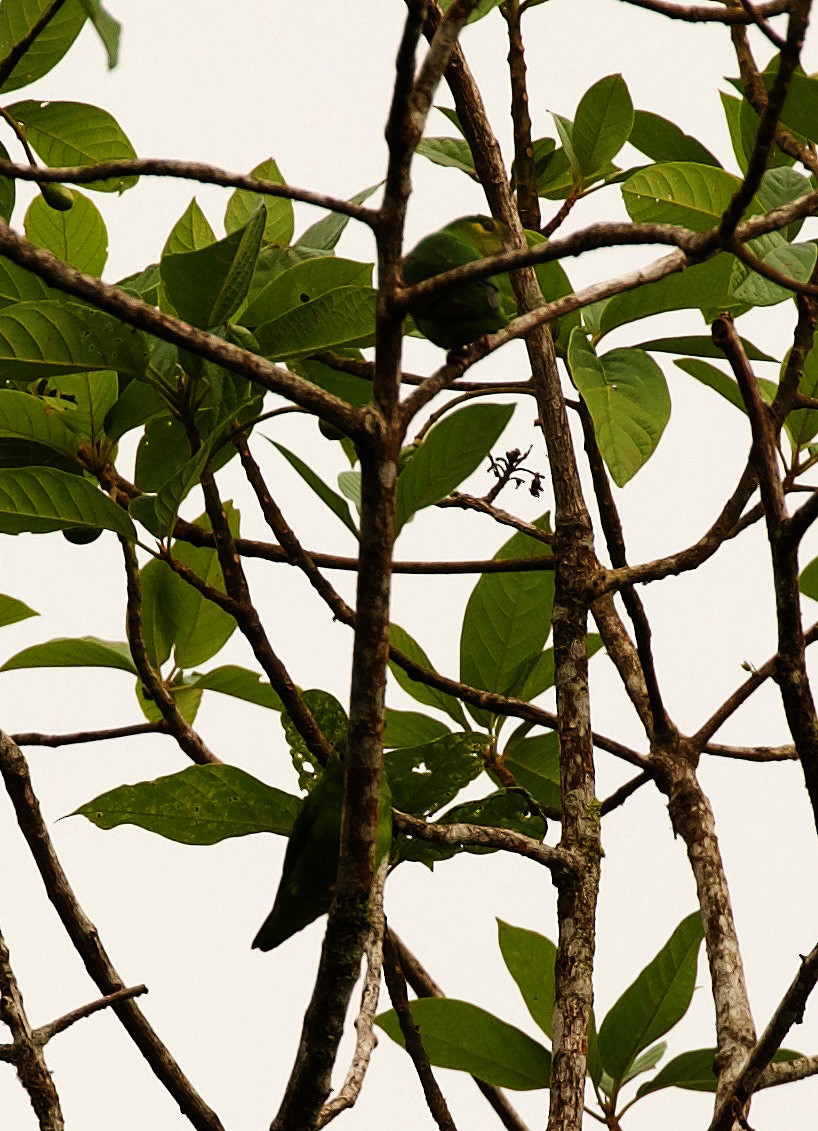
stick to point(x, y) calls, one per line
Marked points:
point(487, 225)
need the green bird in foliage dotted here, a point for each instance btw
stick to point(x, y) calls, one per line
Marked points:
point(311, 860)
point(466, 312)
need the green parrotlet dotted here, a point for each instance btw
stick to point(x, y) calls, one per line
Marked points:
point(311, 860)
point(466, 312)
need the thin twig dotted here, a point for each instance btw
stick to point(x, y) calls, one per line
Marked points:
point(85, 937)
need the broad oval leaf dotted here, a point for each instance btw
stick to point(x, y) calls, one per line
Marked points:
point(78, 237)
point(662, 140)
point(654, 1002)
point(410, 728)
point(534, 760)
point(679, 192)
point(602, 124)
point(38, 339)
point(341, 317)
point(422, 692)
point(459, 1035)
point(304, 282)
point(199, 805)
point(191, 232)
point(41, 499)
point(453, 449)
point(240, 683)
point(32, 418)
point(73, 133)
point(18, 18)
point(628, 399)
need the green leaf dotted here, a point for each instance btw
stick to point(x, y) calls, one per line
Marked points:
point(694, 1070)
point(655, 1002)
point(12, 610)
point(191, 232)
point(88, 398)
point(18, 18)
point(723, 383)
point(409, 728)
point(198, 805)
point(628, 399)
point(74, 652)
point(324, 235)
point(453, 449)
point(176, 614)
point(506, 623)
point(793, 260)
point(38, 339)
point(646, 1060)
point(422, 692)
point(138, 404)
point(679, 192)
point(187, 700)
point(698, 345)
point(341, 317)
point(602, 124)
point(41, 499)
point(662, 140)
point(108, 29)
point(303, 282)
point(240, 683)
point(278, 211)
point(207, 286)
point(8, 190)
point(32, 418)
point(78, 237)
point(462, 1036)
point(535, 763)
point(425, 778)
point(73, 133)
point(450, 152)
point(529, 958)
point(331, 498)
point(706, 287)
point(332, 720)
point(481, 9)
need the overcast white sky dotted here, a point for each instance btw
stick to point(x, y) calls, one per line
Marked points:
point(309, 84)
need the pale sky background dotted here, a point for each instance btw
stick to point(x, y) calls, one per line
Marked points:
point(309, 84)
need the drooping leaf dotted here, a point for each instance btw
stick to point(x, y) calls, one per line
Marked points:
point(325, 493)
point(28, 417)
point(694, 1070)
point(73, 133)
point(422, 692)
point(108, 29)
point(506, 623)
point(723, 383)
point(654, 1002)
point(74, 652)
point(18, 18)
point(529, 958)
point(627, 396)
point(459, 1035)
point(198, 805)
point(698, 345)
point(453, 449)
